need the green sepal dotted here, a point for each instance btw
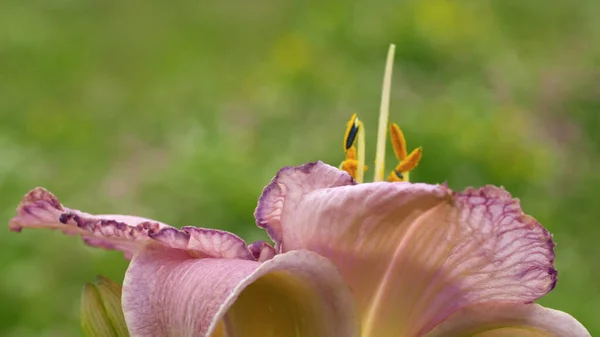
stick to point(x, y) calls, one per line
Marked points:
point(101, 312)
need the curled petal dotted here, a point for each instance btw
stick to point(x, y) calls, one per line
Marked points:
point(412, 253)
point(505, 319)
point(41, 209)
point(286, 189)
point(166, 292)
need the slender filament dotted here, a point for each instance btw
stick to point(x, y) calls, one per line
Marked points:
point(383, 116)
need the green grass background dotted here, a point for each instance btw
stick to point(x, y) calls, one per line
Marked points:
point(182, 111)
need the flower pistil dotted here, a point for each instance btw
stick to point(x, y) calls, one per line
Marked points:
point(354, 162)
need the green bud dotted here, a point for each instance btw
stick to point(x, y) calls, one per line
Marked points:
point(101, 312)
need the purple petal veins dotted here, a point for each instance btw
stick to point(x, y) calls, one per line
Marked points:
point(129, 234)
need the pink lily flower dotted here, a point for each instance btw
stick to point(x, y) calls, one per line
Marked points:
point(349, 259)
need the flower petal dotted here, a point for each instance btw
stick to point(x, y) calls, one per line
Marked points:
point(41, 209)
point(295, 181)
point(204, 242)
point(495, 320)
point(166, 292)
point(262, 251)
point(412, 253)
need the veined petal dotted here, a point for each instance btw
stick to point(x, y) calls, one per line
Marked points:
point(204, 242)
point(412, 253)
point(167, 292)
point(286, 189)
point(505, 319)
point(41, 209)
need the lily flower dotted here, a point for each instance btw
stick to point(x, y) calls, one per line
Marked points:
point(381, 259)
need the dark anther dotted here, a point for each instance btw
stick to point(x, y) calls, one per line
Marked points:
point(398, 174)
point(351, 135)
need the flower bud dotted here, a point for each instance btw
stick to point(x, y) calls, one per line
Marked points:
point(101, 312)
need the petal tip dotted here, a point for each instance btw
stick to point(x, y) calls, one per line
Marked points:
point(496, 208)
point(14, 226)
point(41, 194)
point(302, 178)
point(38, 208)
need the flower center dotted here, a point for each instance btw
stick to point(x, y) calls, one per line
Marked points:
point(354, 163)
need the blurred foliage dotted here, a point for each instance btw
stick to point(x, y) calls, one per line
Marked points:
point(183, 111)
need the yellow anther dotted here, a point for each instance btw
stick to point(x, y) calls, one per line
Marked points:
point(354, 161)
point(350, 164)
point(354, 140)
point(411, 161)
point(351, 133)
point(351, 154)
point(402, 170)
point(406, 163)
point(396, 176)
point(398, 142)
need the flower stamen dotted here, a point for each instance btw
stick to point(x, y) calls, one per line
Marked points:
point(406, 162)
point(398, 141)
point(351, 132)
point(402, 170)
point(354, 163)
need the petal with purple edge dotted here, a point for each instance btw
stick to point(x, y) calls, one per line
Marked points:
point(293, 181)
point(41, 209)
point(126, 233)
point(204, 242)
point(167, 292)
point(496, 320)
point(412, 253)
point(261, 250)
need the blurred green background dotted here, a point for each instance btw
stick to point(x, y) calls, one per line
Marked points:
point(183, 111)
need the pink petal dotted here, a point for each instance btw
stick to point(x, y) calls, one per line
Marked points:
point(293, 181)
point(204, 242)
point(262, 251)
point(41, 209)
point(412, 253)
point(166, 292)
point(495, 320)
